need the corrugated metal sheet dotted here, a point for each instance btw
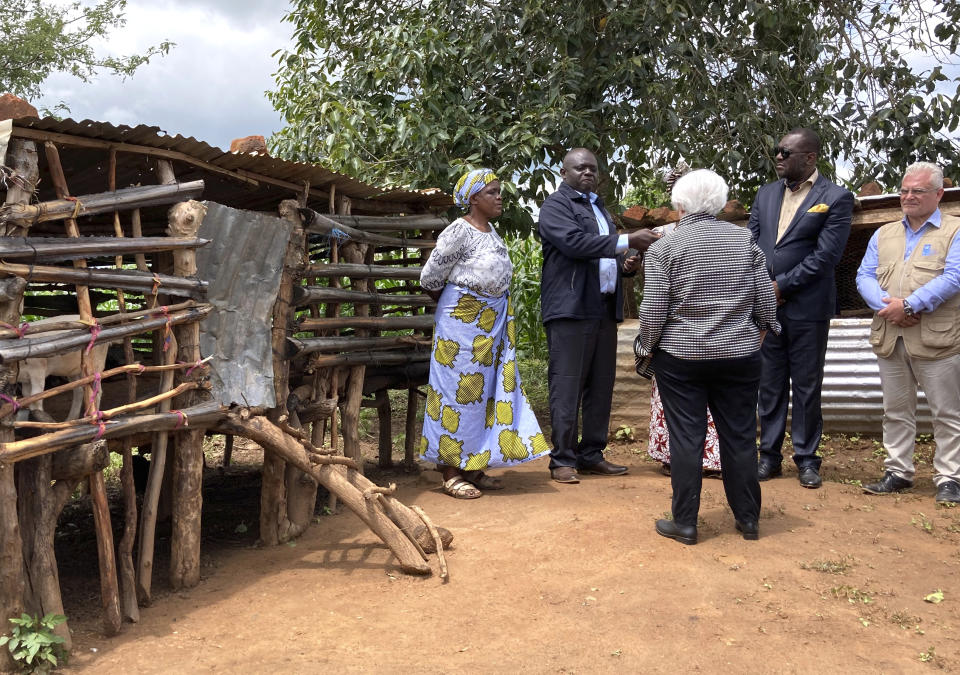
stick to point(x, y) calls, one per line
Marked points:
point(852, 400)
point(294, 172)
point(243, 264)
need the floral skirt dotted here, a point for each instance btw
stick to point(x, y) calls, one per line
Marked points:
point(659, 447)
point(477, 415)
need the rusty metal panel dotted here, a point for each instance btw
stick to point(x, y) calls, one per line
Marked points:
point(242, 264)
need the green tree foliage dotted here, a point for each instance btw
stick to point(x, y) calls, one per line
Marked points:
point(414, 91)
point(40, 38)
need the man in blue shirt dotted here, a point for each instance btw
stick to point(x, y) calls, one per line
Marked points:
point(581, 302)
point(910, 276)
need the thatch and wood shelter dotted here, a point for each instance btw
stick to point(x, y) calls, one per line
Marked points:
point(266, 310)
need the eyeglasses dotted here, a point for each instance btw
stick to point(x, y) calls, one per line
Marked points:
point(906, 192)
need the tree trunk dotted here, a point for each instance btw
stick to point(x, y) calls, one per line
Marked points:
point(185, 220)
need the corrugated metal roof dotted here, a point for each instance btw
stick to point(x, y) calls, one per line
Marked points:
point(293, 172)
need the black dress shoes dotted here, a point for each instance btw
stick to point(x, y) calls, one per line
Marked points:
point(766, 470)
point(948, 492)
point(810, 477)
point(604, 468)
point(890, 483)
point(749, 530)
point(685, 534)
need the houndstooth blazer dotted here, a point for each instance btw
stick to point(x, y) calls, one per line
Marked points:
point(707, 293)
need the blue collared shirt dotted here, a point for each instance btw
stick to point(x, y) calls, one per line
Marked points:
point(929, 296)
point(608, 266)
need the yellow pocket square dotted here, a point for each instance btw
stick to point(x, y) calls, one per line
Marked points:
point(819, 208)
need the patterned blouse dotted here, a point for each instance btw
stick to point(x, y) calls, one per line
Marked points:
point(467, 257)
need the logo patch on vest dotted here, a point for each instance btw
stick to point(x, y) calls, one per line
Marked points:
point(927, 250)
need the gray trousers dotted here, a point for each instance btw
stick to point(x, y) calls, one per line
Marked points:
point(940, 380)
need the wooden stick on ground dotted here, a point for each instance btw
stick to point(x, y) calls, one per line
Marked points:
point(444, 574)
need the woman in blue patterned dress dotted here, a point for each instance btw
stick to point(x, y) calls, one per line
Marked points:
point(477, 416)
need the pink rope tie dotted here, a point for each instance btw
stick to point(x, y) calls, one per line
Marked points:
point(101, 425)
point(94, 333)
point(95, 389)
point(198, 364)
point(21, 331)
point(140, 368)
point(182, 419)
point(11, 401)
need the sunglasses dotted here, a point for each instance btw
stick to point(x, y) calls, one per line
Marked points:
point(783, 152)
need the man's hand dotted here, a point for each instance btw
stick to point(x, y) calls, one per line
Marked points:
point(641, 239)
point(893, 312)
point(776, 292)
point(631, 264)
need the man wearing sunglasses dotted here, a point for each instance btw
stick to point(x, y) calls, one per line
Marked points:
point(910, 276)
point(801, 222)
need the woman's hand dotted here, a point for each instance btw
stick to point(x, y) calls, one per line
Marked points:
point(435, 295)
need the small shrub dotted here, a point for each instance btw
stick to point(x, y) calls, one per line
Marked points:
point(34, 645)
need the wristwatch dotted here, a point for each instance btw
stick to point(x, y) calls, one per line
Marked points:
point(908, 310)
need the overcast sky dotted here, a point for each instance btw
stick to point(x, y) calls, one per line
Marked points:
point(210, 86)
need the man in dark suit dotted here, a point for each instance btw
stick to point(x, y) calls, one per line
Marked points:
point(801, 222)
point(581, 302)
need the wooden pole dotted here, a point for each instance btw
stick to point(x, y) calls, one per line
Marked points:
point(12, 585)
point(36, 249)
point(158, 449)
point(25, 215)
point(128, 573)
point(385, 439)
point(109, 585)
point(22, 158)
point(267, 435)
point(185, 220)
point(410, 430)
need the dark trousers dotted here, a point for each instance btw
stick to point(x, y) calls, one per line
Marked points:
point(795, 357)
point(729, 387)
point(583, 361)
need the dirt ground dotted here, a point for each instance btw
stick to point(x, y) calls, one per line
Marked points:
point(549, 578)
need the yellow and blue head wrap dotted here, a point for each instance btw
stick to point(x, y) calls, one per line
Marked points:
point(470, 184)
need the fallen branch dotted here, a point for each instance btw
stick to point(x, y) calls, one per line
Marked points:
point(436, 540)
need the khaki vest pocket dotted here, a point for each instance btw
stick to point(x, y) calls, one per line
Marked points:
point(925, 270)
point(878, 329)
point(940, 329)
point(883, 275)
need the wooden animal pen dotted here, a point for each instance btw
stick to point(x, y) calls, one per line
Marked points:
point(91, 240)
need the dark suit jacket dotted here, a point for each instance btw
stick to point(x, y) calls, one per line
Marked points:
point(803, 261)
point(572, 247)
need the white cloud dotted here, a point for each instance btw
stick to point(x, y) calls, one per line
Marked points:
point(210, 86)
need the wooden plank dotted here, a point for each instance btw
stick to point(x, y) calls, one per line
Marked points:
point(319, 223)
point(371, 358)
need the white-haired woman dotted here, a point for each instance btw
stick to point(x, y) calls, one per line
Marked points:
point(707, 303)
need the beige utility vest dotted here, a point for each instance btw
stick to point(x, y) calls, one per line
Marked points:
point(938, 333)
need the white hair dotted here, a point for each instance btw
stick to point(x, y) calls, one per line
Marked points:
point(700, 191)
point(936, 173)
